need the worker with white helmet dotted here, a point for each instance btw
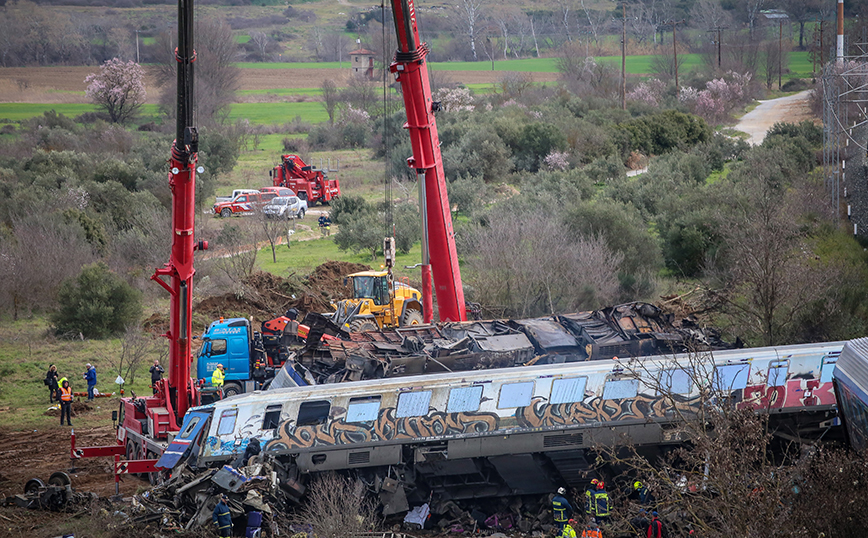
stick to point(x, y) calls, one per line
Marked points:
point(561, 509)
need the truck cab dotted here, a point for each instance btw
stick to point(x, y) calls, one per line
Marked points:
point(230, 342)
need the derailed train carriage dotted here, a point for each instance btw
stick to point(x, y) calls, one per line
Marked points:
point(500, 432)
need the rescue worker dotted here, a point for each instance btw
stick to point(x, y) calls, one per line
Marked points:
point(562, 510)
point(589, 497)
point(217, 377)
point(51, 382)
point(601, 503)
point(592, 530)
point(90, 376)
point(65, 401)
point(222, 518)
point(569, 530)
point(655, 528)
point(639, 523)
point(325, 224)
point(156, 374)
point(641, 492)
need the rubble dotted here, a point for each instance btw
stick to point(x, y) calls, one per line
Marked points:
point(628, 330)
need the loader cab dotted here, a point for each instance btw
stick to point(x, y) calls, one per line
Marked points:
point(371, 286)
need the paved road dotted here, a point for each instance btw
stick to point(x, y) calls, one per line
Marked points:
point(793, 108)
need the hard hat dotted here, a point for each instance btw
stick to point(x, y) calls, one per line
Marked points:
point(561, 491)
point(594, 482)
point(573, 523)
point(637, 485)
point(219, 366)
point(601, 485)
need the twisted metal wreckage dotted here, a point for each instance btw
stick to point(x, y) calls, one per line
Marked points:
point(629, 330)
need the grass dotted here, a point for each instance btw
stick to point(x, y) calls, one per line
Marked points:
point(269, 113)
point(27, 348)
point(303, 256)
point(21, 111)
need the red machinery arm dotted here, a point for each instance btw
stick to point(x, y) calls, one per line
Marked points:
point(178, 389)
point(410, 70)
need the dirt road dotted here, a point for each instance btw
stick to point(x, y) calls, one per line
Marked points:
point(792, 109)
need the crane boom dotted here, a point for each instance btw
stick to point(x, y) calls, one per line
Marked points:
point(439, 255)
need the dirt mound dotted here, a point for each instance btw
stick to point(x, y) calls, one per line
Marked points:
point(267, 295)
point(77, 408)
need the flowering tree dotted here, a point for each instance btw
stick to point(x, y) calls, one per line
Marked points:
point(118, 88)
point(719, 98)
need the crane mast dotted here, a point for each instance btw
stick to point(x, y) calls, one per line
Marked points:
point(439, 255)
point(178, 390)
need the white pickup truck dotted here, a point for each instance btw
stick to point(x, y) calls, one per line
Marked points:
point(235, 193)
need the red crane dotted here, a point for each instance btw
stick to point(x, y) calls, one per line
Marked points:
point(439, 255)
point(145, 422)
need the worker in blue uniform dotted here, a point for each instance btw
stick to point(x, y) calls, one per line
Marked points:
point(561, 509)
point(222, 517)
point(601, 503)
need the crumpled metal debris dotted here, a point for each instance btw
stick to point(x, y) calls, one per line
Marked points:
point(187, 499)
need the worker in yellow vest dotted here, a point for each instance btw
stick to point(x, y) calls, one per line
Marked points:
point(65, 401)
point(217, 377)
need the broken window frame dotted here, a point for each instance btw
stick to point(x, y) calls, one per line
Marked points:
point(410, 404)
point(228, 417)
point(567, 390)
point(464, 399)
point(620, 389)
point(313, 413)
point(363, 409)
point(271, 420)
point(520, 394)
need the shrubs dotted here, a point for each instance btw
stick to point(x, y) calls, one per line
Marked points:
point(96, 304)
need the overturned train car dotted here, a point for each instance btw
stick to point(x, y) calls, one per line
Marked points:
point(506, 431)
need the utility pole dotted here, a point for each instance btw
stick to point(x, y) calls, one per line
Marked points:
point(624, 57)
point(718, 29)
point(137, 47)
point(780, 51)
point(675, 52)
point(822, 63)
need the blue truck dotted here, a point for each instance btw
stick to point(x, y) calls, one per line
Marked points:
point(250, 358)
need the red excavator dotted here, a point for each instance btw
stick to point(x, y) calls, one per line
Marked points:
point(147, 423)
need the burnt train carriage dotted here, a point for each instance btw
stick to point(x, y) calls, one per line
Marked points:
point(507, 431)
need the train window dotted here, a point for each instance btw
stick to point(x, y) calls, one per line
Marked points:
point(189, 429)
point(313, 413)
point(413, 404)
point(272, 417)
point(363, 409)
point(827, 368)
point(227, 421)
point(515, 395)
point(464, 399)
point(778, 374)
point(568, 390)
point(731, 377)
point(619, 389)
point(675, 382)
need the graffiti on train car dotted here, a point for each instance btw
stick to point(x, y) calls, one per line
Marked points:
point(795, 393)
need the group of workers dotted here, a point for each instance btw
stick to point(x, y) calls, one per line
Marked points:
point(597, 507)
point(60, 391)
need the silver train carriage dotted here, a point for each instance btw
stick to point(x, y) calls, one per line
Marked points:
point(509, 431)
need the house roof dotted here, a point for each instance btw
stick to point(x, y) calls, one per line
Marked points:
point(363, 52)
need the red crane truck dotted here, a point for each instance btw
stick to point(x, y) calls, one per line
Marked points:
point(145, 424)
point(308, 183)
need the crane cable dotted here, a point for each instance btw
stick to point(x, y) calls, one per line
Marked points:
point(388, 220)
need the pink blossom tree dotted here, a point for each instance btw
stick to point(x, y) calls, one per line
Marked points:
point(118, 88)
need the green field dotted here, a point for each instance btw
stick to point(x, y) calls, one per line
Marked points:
point(269, 113)
point(11, 112)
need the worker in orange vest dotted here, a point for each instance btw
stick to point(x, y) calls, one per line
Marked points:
point(65, 401)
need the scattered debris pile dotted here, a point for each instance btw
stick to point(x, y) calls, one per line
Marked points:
point(188, 498)
point(628, 330)
point(56, 495)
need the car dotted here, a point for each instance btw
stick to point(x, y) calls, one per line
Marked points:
point(285, 207)
point(243, 203)
point(278, 191)
point(234, 194)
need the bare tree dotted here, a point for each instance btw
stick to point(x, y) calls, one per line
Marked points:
point(664, 65)
point(472, 13)
point(768, 270)
point(330, 97)
point(802, 11)
point(753, 8)
point(336, 506)
point(709, 14)
point(595, 21)
point(262, 43)
point(361, 93)
point(273, 228)
point(137, 348)
point(235, 255)
point(538, 268)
